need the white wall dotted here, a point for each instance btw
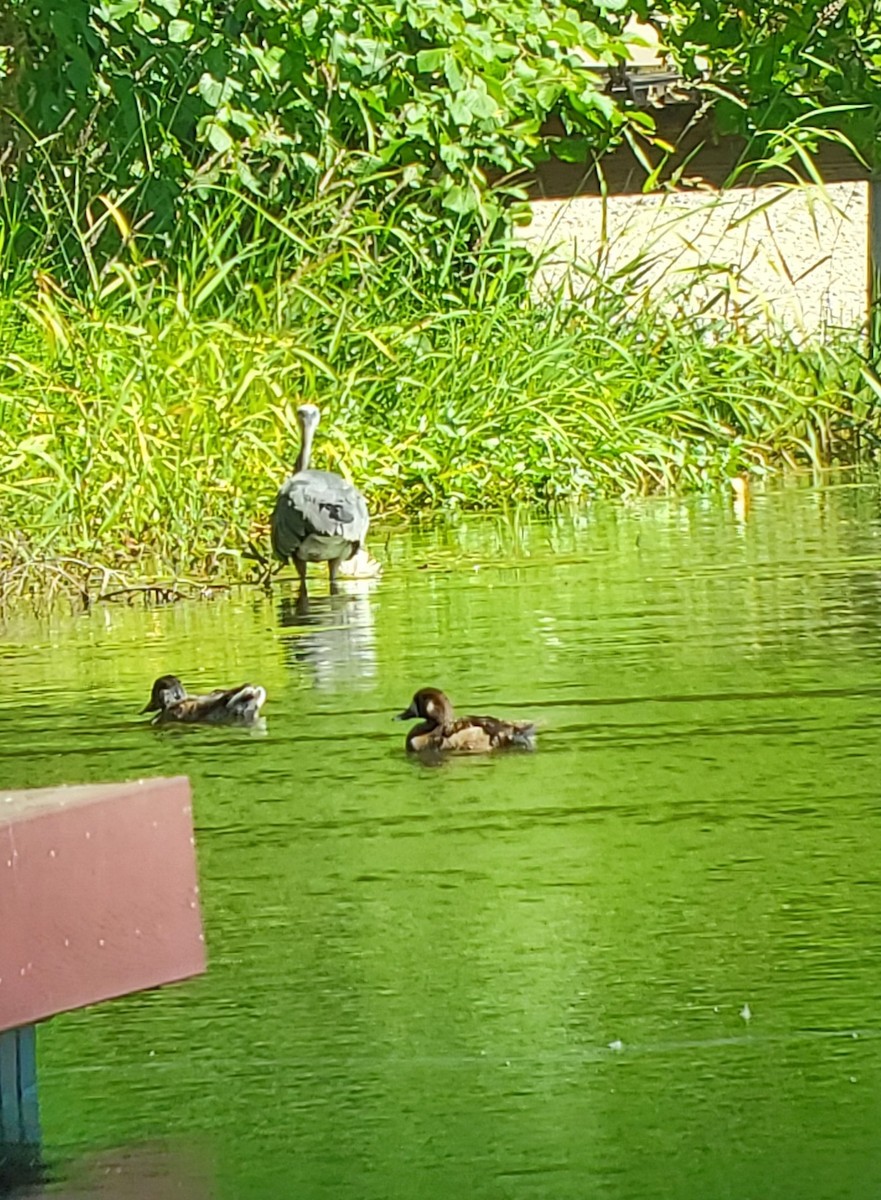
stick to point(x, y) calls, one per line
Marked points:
point(794, 254)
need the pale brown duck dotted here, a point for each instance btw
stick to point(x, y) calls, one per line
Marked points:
point(233, 706)
point(441, 731)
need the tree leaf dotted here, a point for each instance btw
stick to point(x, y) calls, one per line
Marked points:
point(429, 61)
point(453, 72)
point(180, 31)
point(210, 89)
point(218, 137)
point(147, 21)
point(460, 199)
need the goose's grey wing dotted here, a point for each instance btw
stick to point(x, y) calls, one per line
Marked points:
point(318, 503)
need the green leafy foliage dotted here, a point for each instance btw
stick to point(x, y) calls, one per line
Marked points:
point(813, 68)
point(152, 422)
point(431, 101)
point(216, 210)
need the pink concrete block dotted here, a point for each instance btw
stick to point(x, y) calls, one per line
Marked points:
point(98, 895)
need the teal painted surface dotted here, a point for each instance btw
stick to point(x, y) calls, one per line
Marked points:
point(19, 1111)
point(10, 1130)
point(641, 963)
point(27, 1084)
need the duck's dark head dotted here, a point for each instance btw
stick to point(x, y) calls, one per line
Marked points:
point(167, 690)
point(430, 704)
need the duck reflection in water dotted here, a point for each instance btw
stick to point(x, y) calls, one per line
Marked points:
point(441, 731)
point(334, 638)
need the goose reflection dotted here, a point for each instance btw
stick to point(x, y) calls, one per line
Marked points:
point(334, 637)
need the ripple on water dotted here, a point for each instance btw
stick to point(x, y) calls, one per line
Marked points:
point(514, 976)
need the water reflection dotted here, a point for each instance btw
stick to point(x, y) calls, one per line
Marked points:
point(144, 1171)
point(21, 1168)
point(519, 976)
point(333, 636)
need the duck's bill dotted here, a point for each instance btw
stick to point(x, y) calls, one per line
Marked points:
point(407, 715)
point(151, 707)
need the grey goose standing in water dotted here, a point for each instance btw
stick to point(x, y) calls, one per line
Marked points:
point(318, 515)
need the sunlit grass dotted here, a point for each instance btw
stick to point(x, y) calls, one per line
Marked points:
point(147, 413)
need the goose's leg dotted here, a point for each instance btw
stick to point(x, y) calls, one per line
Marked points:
point(301, 571)
point(303, 595)
point(333, 565)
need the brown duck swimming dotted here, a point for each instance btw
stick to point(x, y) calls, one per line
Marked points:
point(235, 706)
point(441, 730)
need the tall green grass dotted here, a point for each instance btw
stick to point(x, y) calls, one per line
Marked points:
point(147, 404)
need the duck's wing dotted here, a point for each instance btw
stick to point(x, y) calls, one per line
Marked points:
point(241, 703)
point(317, 502)
point(490, 733)
point(231, 705)
point(522, 734)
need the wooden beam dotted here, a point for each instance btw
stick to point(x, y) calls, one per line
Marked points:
point(98, 895)
point(704, 156)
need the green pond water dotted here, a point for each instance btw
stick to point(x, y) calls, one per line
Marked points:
point(642, 962)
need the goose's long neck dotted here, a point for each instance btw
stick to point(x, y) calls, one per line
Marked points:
point(307, 432)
